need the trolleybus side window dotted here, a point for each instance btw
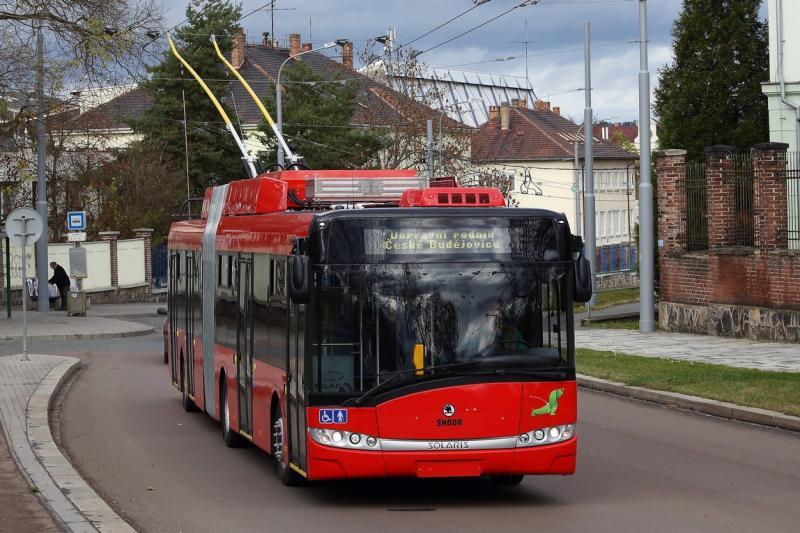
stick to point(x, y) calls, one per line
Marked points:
point(226, 307)
point(261, 303)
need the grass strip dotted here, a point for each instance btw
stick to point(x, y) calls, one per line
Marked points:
point(775, 391)
point(612, 297)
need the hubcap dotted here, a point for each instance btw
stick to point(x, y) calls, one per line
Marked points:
point(277, 441)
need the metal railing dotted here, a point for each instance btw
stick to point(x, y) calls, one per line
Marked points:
point(793, 199)
point(696, 224)
point(743, 179)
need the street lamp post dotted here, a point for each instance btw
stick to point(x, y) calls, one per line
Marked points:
point(278, 91)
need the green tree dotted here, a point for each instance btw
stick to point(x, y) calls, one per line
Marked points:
point(317, 121)
point(213, 155)
point(711, 93)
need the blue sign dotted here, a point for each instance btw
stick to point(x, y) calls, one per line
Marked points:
point(76, 220)
point(333, 416)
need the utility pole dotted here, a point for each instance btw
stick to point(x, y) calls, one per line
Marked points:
point(578, 229)
point(646, 262)
point(41, 179)
point(588, 159)
point(430, 150)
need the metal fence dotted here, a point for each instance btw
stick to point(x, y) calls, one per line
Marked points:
point(696, 186)
point(793, 199)
point(743, 179)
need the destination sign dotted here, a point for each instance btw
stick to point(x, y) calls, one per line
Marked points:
point(437, 241)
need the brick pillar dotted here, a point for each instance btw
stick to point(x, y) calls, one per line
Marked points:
point(721, 212)
point(770, 194)
point(112, 237)
point(147, 235)
point(671, 174)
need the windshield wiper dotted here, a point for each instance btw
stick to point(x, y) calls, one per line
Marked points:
point(381, 387)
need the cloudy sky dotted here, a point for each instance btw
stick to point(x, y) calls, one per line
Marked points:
point(555, 35)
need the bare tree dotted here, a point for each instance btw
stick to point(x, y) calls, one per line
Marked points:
point(415, 102)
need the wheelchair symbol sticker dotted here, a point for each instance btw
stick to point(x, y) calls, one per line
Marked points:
point(333, 416)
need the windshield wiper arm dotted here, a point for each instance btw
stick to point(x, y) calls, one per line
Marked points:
point(381, 387)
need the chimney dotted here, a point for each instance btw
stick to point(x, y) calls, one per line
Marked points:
point(307, 47)
point(542, 105)
point(504, 116)
point(494, 112)
point(237, 53)
point(347, 55)
point(266, 41)
point(294, 44)
point(522, 104)
point(557, 110)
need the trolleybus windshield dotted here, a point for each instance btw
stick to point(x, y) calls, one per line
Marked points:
point(500, 302)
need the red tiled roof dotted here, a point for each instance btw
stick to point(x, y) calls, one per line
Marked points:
point(376, 103)
point(536, 135)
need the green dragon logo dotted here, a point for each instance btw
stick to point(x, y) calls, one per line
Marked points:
point(549, 408)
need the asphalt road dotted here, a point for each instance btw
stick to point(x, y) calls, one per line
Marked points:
point(641, 468)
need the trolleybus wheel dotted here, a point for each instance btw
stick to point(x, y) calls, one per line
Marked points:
point(509, 479)
point(232, 440)
point(280, 464)
point(188, 404)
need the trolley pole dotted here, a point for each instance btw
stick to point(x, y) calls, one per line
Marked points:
point(588, 157)
point(646, 261)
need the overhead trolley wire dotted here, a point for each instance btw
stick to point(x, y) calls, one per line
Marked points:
point(482, 24)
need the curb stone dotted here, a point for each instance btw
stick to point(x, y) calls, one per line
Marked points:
point(66, 495)
point(85, 336)
point(693, 403)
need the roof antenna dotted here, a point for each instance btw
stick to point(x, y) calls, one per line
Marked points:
point(246, 157)
point(291, 156)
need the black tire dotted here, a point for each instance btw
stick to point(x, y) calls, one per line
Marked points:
point(231, 438)
point(188, 404)
point(507, 479)
point(280, 464)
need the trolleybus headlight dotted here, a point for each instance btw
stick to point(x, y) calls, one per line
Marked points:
point(548, 435)
point(525, 438)
point(555, 432)
point(539, 435)
point(343, 439)
point(567, 433)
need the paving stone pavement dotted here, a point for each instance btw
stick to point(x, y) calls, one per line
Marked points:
point(700, 348)
point(57, 325)
point(25, 391)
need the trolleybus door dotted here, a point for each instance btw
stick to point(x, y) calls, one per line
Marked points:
point(296, 398)
point(244, 344)
point(174, 279)
point(191, 309)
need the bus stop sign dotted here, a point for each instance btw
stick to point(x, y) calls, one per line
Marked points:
point(76, 220)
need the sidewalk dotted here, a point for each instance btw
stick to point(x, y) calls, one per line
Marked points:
point(102, 321)
point(699, 348)
point(26, 388)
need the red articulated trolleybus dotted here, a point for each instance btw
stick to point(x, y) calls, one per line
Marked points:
point(361, 323)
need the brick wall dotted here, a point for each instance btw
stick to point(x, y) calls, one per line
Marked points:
point(711, 291)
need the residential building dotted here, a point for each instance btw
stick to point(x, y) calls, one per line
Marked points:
point(259, 62)
point(535, 150)
point(783, 88)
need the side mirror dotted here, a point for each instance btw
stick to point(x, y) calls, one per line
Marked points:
point(581, 274)
point(299, 282)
